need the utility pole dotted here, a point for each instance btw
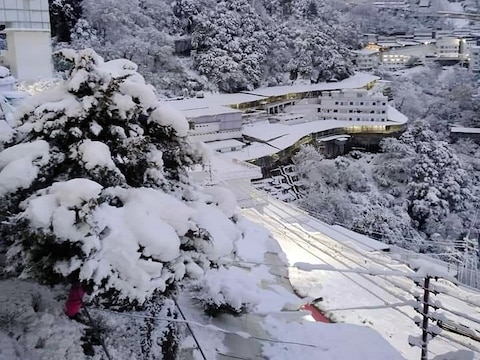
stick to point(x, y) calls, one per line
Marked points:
point(468, 272)
point(426, 296)
point(423, 307)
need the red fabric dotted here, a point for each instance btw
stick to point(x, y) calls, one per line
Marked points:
point(316, 314)
point(74, 301)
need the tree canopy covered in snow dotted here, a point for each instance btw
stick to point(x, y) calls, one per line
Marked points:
point(236, 45)
point(94, 187)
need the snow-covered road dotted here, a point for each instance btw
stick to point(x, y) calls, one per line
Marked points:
point(352, 297)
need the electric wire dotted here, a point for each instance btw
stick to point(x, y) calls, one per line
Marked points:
point(395, 284)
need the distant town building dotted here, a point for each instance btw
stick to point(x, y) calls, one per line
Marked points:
point(27, 29)
point(474, 65)
point(458, 132)
point(409, 55)
point(424, 4)
point(393, 5)
point(448, 46)
point(211, 123)
point(367, 59)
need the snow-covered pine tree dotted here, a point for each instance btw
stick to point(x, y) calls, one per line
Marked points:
point(230, 45)
point(94, 187)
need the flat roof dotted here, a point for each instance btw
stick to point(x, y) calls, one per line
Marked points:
point(215, 145)
point(358, 80)
point(388, 43)
point(265, 131)
point(207, 111)
point(366, 51)
point(210, 100)
point(458, 129)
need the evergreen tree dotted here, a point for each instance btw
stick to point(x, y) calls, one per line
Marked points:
point(230, 45)
point(95, 187)
point(64, 14)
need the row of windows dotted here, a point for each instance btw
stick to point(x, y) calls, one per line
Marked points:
point(24, 4)
point(353, 119)
point(24, 15)
point(361, 103)
point(351, 111)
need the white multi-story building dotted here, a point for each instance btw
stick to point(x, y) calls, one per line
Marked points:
point(367, 59)
point(474, 58)
point(213, 123)
point(399, 58)
point(448, 46)
point(27, 28)
point(352, 105)
point(395, 61)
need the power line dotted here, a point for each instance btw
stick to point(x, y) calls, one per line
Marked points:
point(276, 215)
point(190, 329)
point(210, 327)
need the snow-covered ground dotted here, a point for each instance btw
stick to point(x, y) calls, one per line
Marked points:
point(380, 302)
point(33, 325)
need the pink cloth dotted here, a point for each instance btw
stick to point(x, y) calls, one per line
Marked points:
point(74, 301)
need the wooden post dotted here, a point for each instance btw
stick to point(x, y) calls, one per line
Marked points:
point(426, 296)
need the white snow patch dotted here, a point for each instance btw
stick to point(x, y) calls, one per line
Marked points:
point(95, 153)
point(19, 165)
point(167, 115)
point(223, 232)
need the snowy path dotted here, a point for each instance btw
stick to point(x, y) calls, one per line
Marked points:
point(302, 238)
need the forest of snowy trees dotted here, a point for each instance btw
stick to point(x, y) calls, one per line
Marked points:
point(235, 45)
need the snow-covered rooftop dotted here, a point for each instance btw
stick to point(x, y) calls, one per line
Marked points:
point(276, 137)
point(358, 80)
point(212, 110)
point(365, 52)
point(215, 145)
point(225, 168)
point(211, 100)
point(465, 130)
point(395, 115)
point(388, 44)
point(266, 131)
point(417, 50)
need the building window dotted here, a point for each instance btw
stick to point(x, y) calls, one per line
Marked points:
point(351, 102)
point(335, 111)
point(383, 111)
point(374, 103)
point(361, 103)
point(336, 102)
